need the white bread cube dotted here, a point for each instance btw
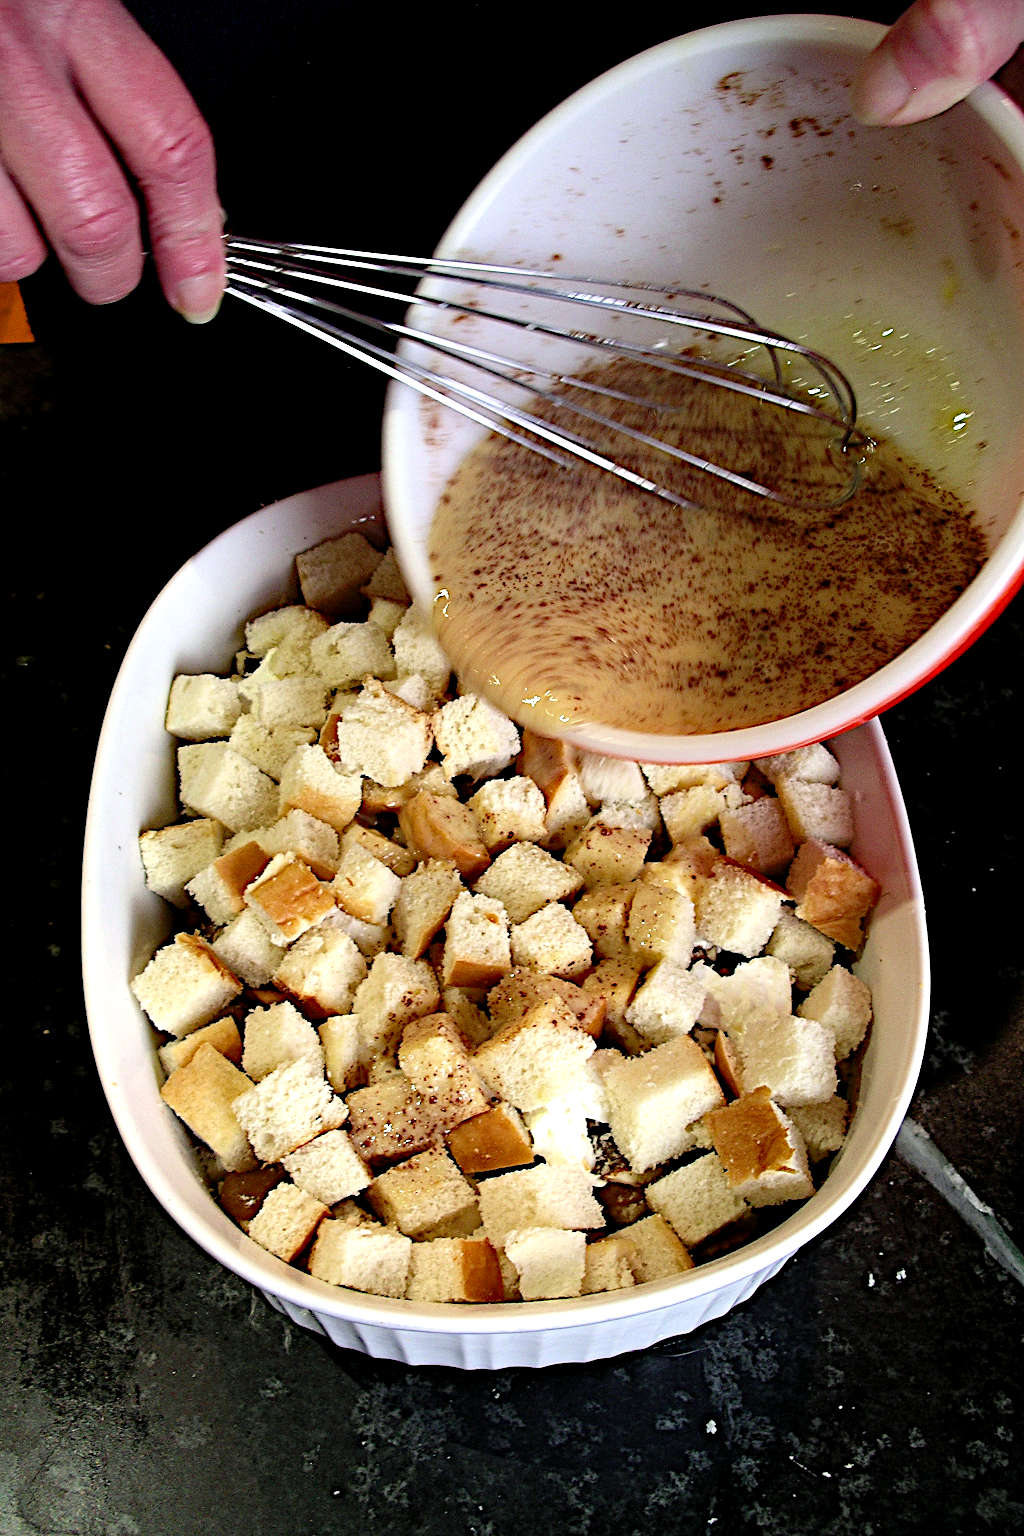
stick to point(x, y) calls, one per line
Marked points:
point(386, 580)
point(807, 952)
point(607, 1265)
point(795, 1059)
point(822, 1126)
point(666, 778)
point(610, 780)
point(310, 782)
point(560, 1134)
point(459, 1269)
point(321, 970)
point(697, 1200)
point(509, 811)
point(842, 1001)
point(606, 854)
point(275, 1035)
point(381, 736)
point(247, 948)
point(474, 737)
point(689, 812)
point(813, 763)
point(396, 991)
point(222, 1034)
point(538, 1197)
point(756, 987)
point(365, 1257)
point(661, 924)
point(494, 1140)
point(418, 651)
point(172, 855)
point(477, 947)
point(471, 1020)
point(667, 1002)
point(762, 1151)
point(288, 898)
point(614, 982)
point(346, 1059)
point(654, 1098)
point(202, 707)
point(387, 614)
point(657, 1251)
point(604, 914)
point(315, 841)
point(286, 1221)
point(289, 1107)
point(286, 701)
point(268, 747)
point(220, 888)
point(369, 938)
point(423, 903)
point(758, 835)
point(436, 1060)
point(521, 989)
point(439, 826)
point(525, 878)
point(538, 1056)
point(203, 1092)
point(737, 909)
point(553, 942)
point(833, 893)
point(364, 885)
point(328, 1168)
point(215, 780)
point(287, 631)
point(426, 1196)
point(816, 810)
point(390, 1120)
point(184, 985)
point(549, 1261)
point(333, 573)
point(397, 857)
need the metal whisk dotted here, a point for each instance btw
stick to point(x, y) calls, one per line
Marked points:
point(310, 287)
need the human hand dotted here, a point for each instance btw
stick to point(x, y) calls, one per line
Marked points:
point(83, 89)
point(933, 56)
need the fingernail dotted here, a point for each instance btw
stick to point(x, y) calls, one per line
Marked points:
point(198, 298)
point(882, 96)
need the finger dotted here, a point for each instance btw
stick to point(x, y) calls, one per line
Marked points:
point(148, 113)
point(934, 56)
point(22, 248)
point(64, 169)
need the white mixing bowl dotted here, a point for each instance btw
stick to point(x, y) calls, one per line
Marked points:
point(727, 160)
point(195, 625)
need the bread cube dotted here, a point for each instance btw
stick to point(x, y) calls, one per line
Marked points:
point(222, 1034)
point(813, 763)
point(321, 970)
point(364, 885)
point(509, 811)
point(365, 1257)
point(560, 1134)
point(328, 1168)
point(667, 778)
point(346, 1058)
point(496, 1139)
point(286, 701)
point(607, 1264)
point(204, 1092)
point(418, 650)
point(525, 878)
point(310, 782)
point(697, 1200)
point(758, 835)
point(816, 810)
point(268, 747)
point(661, 924)
point(423, 903)
point(657, 1251)
point(247, 948)
point(806, 950)
point(833, 893)
point(397, 857)
point(537, 1057)
point(521, 989)
point(396, 991)
point(216, 781)
point(202, 707)
point(288, 898)
point(822, 1126)
point(436, 1060)
point(454, 1269)
point(755, 988)
point(654, 1098)
point(614, 981)
point(762, 1151)
point(332, 573)
point(275, 1035)
point(380, 735)
point(220, 887)
point(474, 737)
point(287, 632)
point(386, 580)
point(477, 947)
point(549, 1262)
point(610, 780)
point(389, 1119)
point(842, 1002)
point(737, 909)
point(538, 1197)
point(604, 914)
point(289, 1107)
point(387, 614)
point(438, 826)
point(667, 1002)
point(690, 812)
point(286, 1221)
point(426, 1197)
point(552, 941)
point(184, 985)
point(315, 841)
point(795, 1059)
point(604, 854)
point(172, 855)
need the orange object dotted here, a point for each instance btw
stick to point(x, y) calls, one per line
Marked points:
point(14, 324)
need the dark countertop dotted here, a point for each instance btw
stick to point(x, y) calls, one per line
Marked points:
point(875, 1385)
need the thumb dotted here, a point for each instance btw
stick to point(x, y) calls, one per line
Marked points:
point(934, 56)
